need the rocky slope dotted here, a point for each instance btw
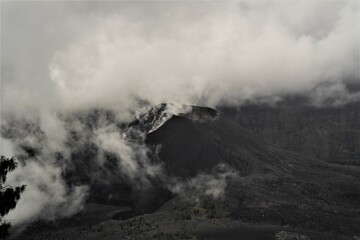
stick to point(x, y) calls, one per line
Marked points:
point(272, 190)
point(330, 133)
point(275, 186)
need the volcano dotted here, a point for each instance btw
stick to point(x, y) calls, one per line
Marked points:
point(273, 181)
point(202, 138)
point(274, 189)
point(195, 139)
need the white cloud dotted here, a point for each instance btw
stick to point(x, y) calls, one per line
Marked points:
point(46, 195)
point(81, 55)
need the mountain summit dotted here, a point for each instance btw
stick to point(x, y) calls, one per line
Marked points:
point(158, 115)
point(195, 139)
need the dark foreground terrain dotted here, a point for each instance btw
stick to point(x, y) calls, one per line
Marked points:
point(189, 222)
point(276, 193)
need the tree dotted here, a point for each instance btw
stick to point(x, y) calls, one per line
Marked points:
point(9, 195)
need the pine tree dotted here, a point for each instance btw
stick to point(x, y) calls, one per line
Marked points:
point(9, 195)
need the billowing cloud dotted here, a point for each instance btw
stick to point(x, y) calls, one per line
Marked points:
point(46, 196)
point(224, 55)
point(133, 156)
point(115, 54)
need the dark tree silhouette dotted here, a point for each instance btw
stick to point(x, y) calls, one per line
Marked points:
point(9, 195)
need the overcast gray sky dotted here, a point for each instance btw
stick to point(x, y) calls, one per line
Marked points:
point(85, 54)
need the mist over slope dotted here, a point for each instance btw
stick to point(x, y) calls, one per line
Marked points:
point(96, 158)
point(204, 159)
